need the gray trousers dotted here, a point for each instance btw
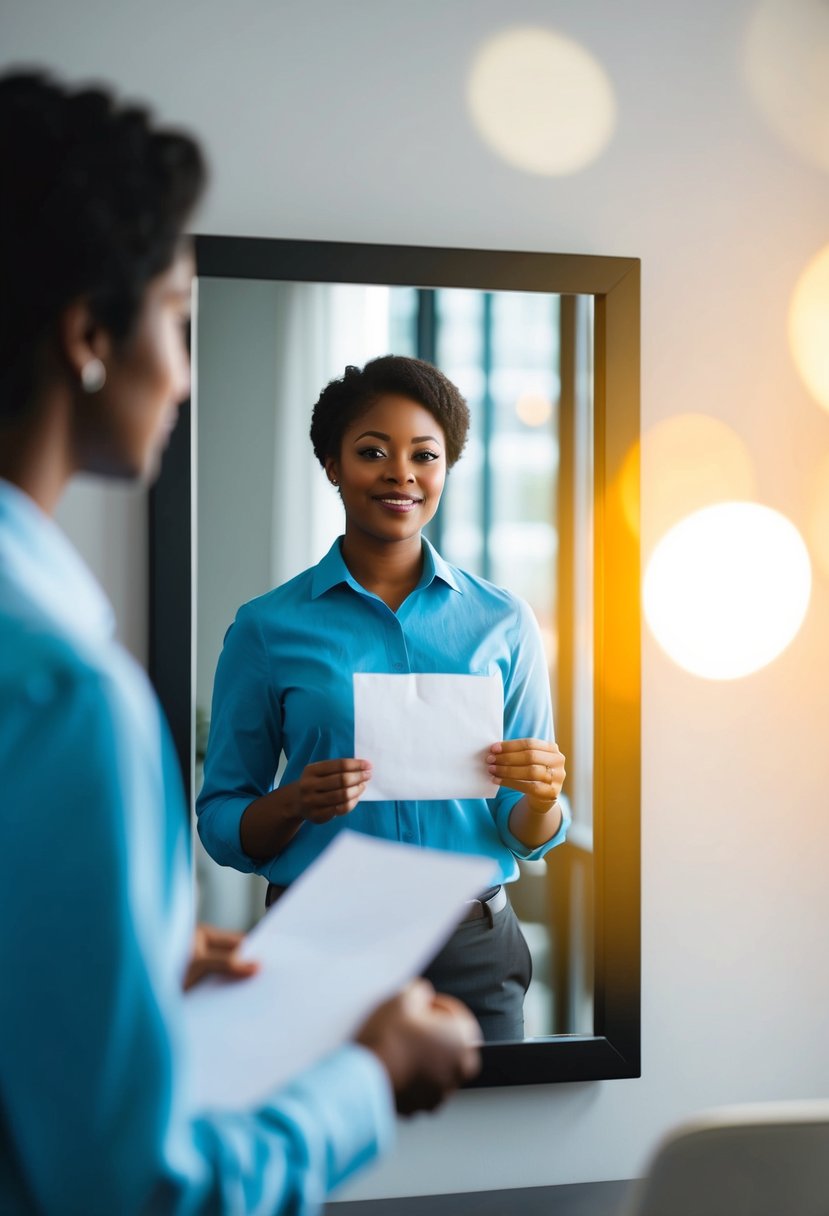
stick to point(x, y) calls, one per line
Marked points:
point(487, 964)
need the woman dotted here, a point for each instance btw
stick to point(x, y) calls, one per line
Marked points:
point(95, 898)
point(383, 600)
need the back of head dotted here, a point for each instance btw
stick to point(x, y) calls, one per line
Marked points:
point(93, 203)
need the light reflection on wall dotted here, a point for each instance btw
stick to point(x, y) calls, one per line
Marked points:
point(541, 101)
point(818, 525)
point(688, 462)
point(809, 322)
point(727, 589)
point(787, 69)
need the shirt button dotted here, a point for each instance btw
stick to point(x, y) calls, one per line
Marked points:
point(408, 836)
point(398, 666)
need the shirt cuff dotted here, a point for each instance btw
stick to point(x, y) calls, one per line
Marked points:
point(219, 825)
point(349, 1101)
point(523, 851)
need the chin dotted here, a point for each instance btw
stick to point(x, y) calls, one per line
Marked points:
point(139, 468)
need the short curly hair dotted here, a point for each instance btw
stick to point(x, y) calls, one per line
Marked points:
point(345, 399)
point(93, 204)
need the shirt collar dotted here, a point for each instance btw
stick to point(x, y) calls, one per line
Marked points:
point(332, 571)
point(39, 566)
point(435, 567)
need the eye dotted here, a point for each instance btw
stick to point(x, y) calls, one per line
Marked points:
point(426, 456)
point(371, 453)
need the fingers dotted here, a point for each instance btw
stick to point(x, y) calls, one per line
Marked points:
point(330, 788)
point(427, 1042)
point(219, 939)
point(214, 953)
point(528, 765)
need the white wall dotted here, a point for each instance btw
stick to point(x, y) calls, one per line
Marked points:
point(346, 121)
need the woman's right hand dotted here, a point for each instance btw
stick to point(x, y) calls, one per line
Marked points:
point(326, 790)
point(330, 788)
point(428, 1044)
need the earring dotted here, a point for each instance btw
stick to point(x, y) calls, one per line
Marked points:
point(93, 376)
point(333, 481)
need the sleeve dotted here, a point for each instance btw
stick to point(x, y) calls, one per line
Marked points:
point(528, 714)
point(91, 1080)
point(244, 743)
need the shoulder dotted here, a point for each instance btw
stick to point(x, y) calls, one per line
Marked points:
point(51, 681)
point(295, 593)
point(38, 664)
point(481, 592)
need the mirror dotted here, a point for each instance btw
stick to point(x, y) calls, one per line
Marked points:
point(545, 348)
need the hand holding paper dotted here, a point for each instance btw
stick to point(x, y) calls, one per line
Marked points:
point(427, 735)
point(328, 951)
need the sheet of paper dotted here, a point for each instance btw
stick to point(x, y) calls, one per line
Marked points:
point(427, 735)
point(365, 918)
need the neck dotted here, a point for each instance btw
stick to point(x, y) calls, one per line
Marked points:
point(389, 570)
point(35, 454)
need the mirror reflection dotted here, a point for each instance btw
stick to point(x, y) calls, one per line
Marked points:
point(516, 511)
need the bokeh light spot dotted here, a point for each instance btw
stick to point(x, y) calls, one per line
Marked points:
point(687, 462)
point(818, 528)
point(787, 69)
point(534, 409)
point(727, 589)
point(809, 325)
point(541, 101)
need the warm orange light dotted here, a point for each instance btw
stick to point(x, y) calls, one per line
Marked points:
point(687, 462)
point(809, 325)
point(818, 529)
point(541, 101)
point(727, 589)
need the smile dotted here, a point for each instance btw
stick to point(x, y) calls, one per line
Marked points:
point(393, 502)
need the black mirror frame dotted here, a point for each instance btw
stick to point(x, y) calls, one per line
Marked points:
point(614, 1048)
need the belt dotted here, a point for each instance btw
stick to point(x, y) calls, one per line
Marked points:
point(487, 904)
point(491, 901)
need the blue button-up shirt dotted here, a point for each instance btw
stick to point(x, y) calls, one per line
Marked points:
point(95, 931)
point(284, 684)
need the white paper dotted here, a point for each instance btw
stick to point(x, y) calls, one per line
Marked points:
point(427, 735)
point(361, 921)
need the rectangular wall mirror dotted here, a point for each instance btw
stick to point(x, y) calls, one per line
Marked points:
point(545, 348)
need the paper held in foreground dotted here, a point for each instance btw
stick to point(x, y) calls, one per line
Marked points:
point(427, 735)
point(361, 921)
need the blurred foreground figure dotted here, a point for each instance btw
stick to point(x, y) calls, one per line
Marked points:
point(96, 935)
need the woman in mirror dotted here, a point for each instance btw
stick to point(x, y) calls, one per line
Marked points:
point(95, 887)
point(383, 600)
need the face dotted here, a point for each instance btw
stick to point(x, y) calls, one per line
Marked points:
point(391, 469)
point(122, 430)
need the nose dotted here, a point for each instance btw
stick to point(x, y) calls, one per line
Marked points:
point(399, 470)
point(181, 387)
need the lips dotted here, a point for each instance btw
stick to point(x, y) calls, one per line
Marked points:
point(397, 502)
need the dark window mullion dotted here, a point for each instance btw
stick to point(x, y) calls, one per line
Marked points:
point(488, 420)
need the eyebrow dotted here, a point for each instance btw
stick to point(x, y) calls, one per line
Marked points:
point(387, 438)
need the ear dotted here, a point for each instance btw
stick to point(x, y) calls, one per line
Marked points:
point(332, 470)
point(81, 338)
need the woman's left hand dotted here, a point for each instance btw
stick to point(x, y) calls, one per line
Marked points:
point(214, 953)
point(534, 767)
